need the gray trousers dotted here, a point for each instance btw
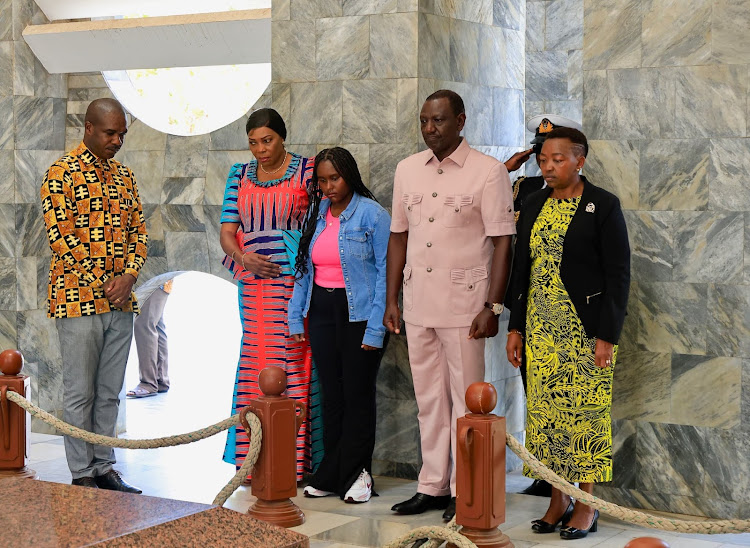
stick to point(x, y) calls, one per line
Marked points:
point(151, 343)
point(94, 354)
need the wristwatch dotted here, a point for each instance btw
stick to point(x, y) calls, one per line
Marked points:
point(497, 308)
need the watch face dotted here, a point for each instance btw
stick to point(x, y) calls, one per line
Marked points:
point(497, 308)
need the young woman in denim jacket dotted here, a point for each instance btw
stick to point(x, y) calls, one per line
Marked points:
point(341, 291)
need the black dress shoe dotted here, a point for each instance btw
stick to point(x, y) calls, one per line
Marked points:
point(450, 511)
point(87, 481)
point(571, 533)
point(112, 480)
point(541, 526)
point(539, 488)
point(420, 503)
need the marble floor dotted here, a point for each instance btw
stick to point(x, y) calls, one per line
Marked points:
point(194, 473)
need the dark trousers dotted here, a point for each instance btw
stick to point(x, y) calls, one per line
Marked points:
point(347, 376)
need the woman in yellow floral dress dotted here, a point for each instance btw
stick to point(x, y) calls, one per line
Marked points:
point(570, 282)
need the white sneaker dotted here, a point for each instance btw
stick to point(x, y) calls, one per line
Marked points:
point(361, 489)
point(310, 491)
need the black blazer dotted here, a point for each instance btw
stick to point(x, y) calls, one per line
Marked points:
point(595, 267)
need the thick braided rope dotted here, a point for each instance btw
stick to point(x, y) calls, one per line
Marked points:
point(97, 439)
point(708, 527)
point(436, 534)
point(256, 437)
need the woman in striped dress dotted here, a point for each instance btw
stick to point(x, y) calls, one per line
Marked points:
point(265, 204)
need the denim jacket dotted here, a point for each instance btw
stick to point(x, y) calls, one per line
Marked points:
point(364, 231)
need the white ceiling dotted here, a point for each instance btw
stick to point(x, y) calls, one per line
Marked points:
point(56, 10)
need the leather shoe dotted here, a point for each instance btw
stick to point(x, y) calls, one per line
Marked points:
point(420, 503)
point(450, 511)
point(86, 481)
point(541, 526)
point(112, 480)
point(571, 533)
point(539, 488)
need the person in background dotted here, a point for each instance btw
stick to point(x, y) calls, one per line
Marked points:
point(571, 277)
point(341, 292)
point(97, 234)
point(265, 205)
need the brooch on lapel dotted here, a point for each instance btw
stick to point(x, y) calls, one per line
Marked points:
point(590, 207)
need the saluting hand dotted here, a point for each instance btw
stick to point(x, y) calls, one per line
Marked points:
point(517, 160)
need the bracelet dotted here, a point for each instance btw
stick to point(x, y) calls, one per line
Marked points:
point(232, 255)
point(243, 261)
point(515, 332)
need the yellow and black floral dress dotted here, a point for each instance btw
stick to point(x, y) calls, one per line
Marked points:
point(568, 425)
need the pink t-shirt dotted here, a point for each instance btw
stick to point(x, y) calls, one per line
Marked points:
point(325, 255)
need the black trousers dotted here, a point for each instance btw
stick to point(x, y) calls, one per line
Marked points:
point(347, 376)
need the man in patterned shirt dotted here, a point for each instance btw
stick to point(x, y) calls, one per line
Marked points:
point(98, 239)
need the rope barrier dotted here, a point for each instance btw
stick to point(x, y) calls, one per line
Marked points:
point(436, 534)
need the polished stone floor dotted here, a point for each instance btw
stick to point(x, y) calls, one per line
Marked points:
point(195, 473)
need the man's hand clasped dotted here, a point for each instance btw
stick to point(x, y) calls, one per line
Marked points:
point(118, 289)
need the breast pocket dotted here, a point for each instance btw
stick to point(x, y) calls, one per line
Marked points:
point(456, 209)
point(468, 289)
point(359, 243)
point(408, 289)
point(413, 207)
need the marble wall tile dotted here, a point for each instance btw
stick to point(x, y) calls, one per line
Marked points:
point(183, 190)
point(494, 57)
point(383, 160)
point(30, 167)
point(564, 27)
point(186, 250)
point(614, 166)
point(394, 378)
point(407, 117)
point(183, 218)
point(281, 101)
point(509, 14)
point(407, 5)
point(624, 462)
point(7, 168)
point(546, 75)
point(230, 137)
point(7, 133)
point(215, 253)
point(26, 283)
point(281, 10)
point(307, 98)
point(747, 248)
point(40, 123)
point(154, 222)
point(434, 47)
point(728, 172)
point(613, 34)
point(73, 136)
point(674, 174)
point(711, 101)
point(706, 391)
point(478, 100)
point(154, 267)
point(23, 74)
point(730, 42)
point(342, 48)
point(143, 137)
point(6, 67)
point(708, 247)
point(8, 332)
point(42, 276)
point(575, 74)
point(728, 320)
point(477, 11)
point(512, 403)
point(50, 85)
point(651, 236)
point(676, 32)
point(642, 386)
point(393, 45)
point(397, 431)
point(7, 230)
point(32, 235)
point(293, 57)
point(515, 64)
point(745, 403)
point(369, 116)
point(508, 117)
point(186, 156)
point(148, 168)
point(8, 291)
point(464, 51)
point(670, 316)
point(726, 467)
point(23, 15)
point(6, 23)
point(218, 166)
point(536, 11)
point(370, 7)
point(316, 9)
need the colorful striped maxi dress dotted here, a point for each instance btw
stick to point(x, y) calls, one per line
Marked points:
point(271, 214)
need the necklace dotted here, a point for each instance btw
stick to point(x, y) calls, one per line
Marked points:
point(275, 170)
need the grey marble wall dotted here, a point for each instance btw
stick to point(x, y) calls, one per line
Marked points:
point(665, 95)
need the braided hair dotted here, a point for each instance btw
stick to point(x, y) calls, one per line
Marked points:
point(346, 166)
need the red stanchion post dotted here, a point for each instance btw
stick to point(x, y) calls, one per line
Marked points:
point(274, 477)
point(480, 469)
point(15, 424)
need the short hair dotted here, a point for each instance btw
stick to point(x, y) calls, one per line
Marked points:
point(573, 135)
point(457, 104)
point(266, 117)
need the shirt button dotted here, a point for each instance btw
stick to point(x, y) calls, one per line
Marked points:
point(471, 286)
point(429, 269)
point(429, 244)
point(440, 171)
point(409, 208)
point(434, 194)
point(432, 219)
point(457, 209)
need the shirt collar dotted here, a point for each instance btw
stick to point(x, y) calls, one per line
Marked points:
point(89, 158)
point(346, 214)
point(458, 156)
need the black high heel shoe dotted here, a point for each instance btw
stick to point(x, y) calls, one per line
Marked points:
point(542, 527)
point(571, 533)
